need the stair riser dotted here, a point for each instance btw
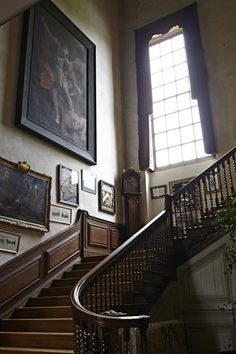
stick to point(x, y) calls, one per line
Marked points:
point(50, 301)
point(63, 341)
point(56, 291)
point(75, 274)
point(9, 350)
point(43, 325)
point(63, 312)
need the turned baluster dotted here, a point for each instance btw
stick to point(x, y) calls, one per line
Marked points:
point(204, 188)
point(220, 194)
point(225, 180)
point(231, 187)
point(234, 172)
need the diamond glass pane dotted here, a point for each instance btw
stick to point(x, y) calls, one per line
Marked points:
point(195, 113)
point(166, 47)
point(185, 117)
point(181, 71)
point(197, 131)
point(159, 125)
point(172, 121)
point(183, 85)
point(160, 141)
point(158, 93)
point(200, 149)
point(173, 137)
point(189, 152)
point(170, 89)
point(178, 42)
point(187, 134)
point(158, 109)
point(154, 51)
point(175, 155)
point(183, 101)
point(168, 75)
point(179, 56)
point(162, 158)
point(171, 105)
point(155, 65)
point(167, 61)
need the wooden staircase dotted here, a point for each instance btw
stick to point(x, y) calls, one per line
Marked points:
point(44, 324)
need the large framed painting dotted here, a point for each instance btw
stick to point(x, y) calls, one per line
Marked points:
point(24, 196)
point(56, 96)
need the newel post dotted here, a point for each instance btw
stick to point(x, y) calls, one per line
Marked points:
point(143, 337)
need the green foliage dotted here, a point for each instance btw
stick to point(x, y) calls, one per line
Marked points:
point(225, 219)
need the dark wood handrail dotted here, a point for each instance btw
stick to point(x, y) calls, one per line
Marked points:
point(196, 202)
point(206, 171)
point(83, 314)
point(103, 287)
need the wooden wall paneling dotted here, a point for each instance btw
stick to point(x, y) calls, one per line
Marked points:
point(19, 280)
point(27, 273)
point(62, 252)
point(48, 260)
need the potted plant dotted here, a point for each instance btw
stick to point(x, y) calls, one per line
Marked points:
point(225, 219)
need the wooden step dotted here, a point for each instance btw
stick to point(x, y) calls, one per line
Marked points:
point(64, 282)
point(22, 350)
point(49, 301)
point(43, 312)
point(37, 324)
point(75, 274)
point(84, 266)
point(56, 291)
point(37, 340)
point(94, 259)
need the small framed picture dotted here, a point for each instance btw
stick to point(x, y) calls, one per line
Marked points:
point(158, 191)
point(107, 197)
point(88, 181)
point(60, 214)
point(9, 242)
point(175, 186)
point(68, 183)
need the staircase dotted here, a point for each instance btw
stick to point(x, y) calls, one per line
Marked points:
point(44, 324)
point(118, 292)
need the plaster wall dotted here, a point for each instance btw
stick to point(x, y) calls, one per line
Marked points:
point(98, 19)
point(217, 25)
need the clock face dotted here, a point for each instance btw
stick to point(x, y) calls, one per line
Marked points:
point(132, 185)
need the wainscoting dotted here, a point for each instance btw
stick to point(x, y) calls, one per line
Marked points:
point(202, 297)
point(29, 272)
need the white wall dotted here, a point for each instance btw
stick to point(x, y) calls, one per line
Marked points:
point(99, 21)
point(217, 24)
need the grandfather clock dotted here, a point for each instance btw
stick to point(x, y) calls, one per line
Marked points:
point(131, 191)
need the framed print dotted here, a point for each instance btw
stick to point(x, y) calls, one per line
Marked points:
point(56, 95)
point(191, 198)
point(88, 181)
point(68, 186)
point(24, 196)
point(60, 214)
point(9, 242)
point(107, 197)
point(158, 191)
point(175, 186)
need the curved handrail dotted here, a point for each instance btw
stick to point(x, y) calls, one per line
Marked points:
point(196, 179)
point(196, 202)
point(121, 320)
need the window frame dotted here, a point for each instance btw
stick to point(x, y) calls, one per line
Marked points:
point(187, 19)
